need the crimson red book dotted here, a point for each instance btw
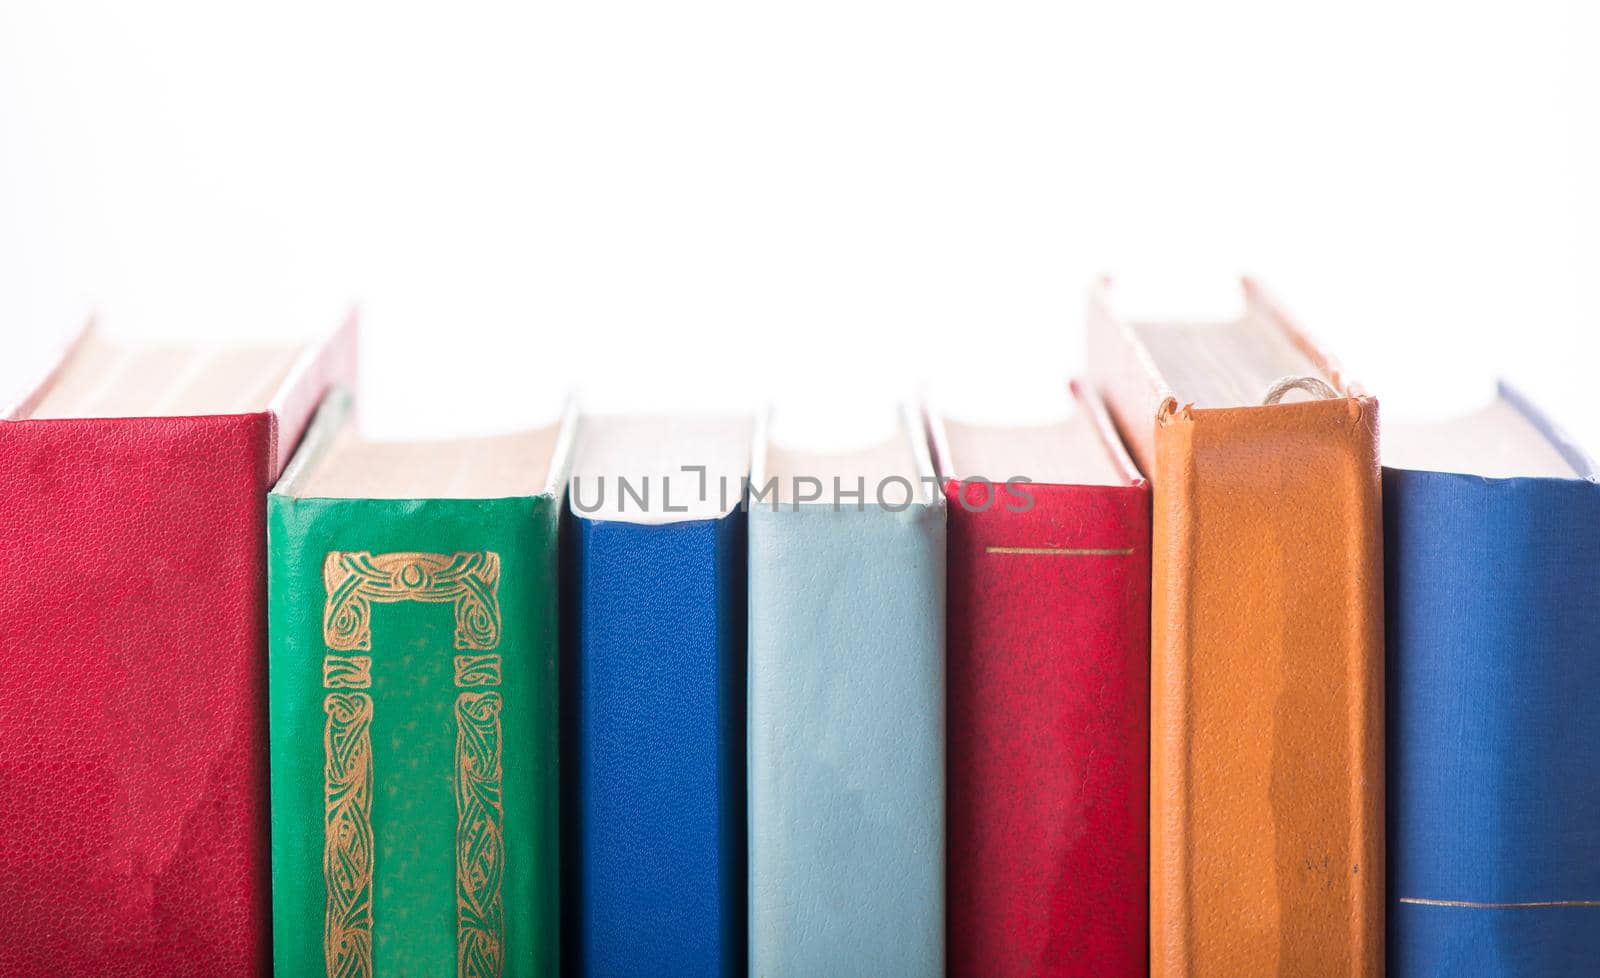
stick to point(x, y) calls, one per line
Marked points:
point(133, 658)
point(1048, 677)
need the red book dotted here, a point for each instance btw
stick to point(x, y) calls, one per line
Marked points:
point(1048, 659)
point(133, 656)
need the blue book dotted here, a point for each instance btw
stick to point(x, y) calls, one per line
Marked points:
point(655, 753)
point(1492, 546)
point(847, 680)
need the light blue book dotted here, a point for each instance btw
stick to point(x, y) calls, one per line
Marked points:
point(846, 725)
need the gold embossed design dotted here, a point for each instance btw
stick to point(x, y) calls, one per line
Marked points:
point(346, 672)
point(356, 579)
point(347, 853)
point(477, 670)
point(469, 580)
point(480, 841)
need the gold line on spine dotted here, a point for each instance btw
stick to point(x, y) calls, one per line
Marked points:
point(1062, 551)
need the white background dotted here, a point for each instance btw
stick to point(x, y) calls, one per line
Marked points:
point(687, 204)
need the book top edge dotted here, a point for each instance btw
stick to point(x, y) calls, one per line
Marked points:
point(1508, 438)
point(334, 462)
point(92, 376)
point(1077, 448)
point(1257, 360)
point(808, 479)
point(660, 469)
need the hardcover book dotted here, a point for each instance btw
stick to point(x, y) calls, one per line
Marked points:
point(658, 699)
point(133, 686)
point(413, 675)
point(1492, 546)
point(1048, 682)
point(1266, 692)
point(846, 749)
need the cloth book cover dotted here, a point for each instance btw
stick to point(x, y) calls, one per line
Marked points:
point(1266, 693)
point(1492, 545)
point(657, 686)
point(413, 605)
point(133, 687)
point(846, 728)
point(1048, 685)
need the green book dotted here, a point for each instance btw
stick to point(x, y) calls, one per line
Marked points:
point(413, 619)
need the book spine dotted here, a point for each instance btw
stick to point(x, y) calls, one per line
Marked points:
point(413, 679)
point(1266, 704)
point(1049, 617)
point(133, 799)
point(1494, 769)
point(846, 748)
point(658, 753)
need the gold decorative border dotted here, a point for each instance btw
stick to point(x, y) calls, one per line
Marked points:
point(480, 839)
point(477, 670)
point(354, 581)
point(347, 672)
point(347, 833)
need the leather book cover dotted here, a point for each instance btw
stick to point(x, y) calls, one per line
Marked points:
point(413, 702)
point(1494, 735)
point(133, 686)
point(1267, 805)
point(1048, 686)
point(657, 687)
point(846, 749)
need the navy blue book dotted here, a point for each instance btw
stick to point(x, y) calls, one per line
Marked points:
point(1492, 552)
point(656, 719)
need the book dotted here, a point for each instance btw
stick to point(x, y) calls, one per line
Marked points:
point(657, 689)
point(1266, 642)
point(1492, 547)
point(133, 688)
point(846, 743)
point(1048, 650)
point(413, 608)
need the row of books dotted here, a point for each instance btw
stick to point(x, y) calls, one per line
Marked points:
point(1180, 681)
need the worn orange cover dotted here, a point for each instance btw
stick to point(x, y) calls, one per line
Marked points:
point(1266, 793)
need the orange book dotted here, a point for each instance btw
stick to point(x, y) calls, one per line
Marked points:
point(1266, 672)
